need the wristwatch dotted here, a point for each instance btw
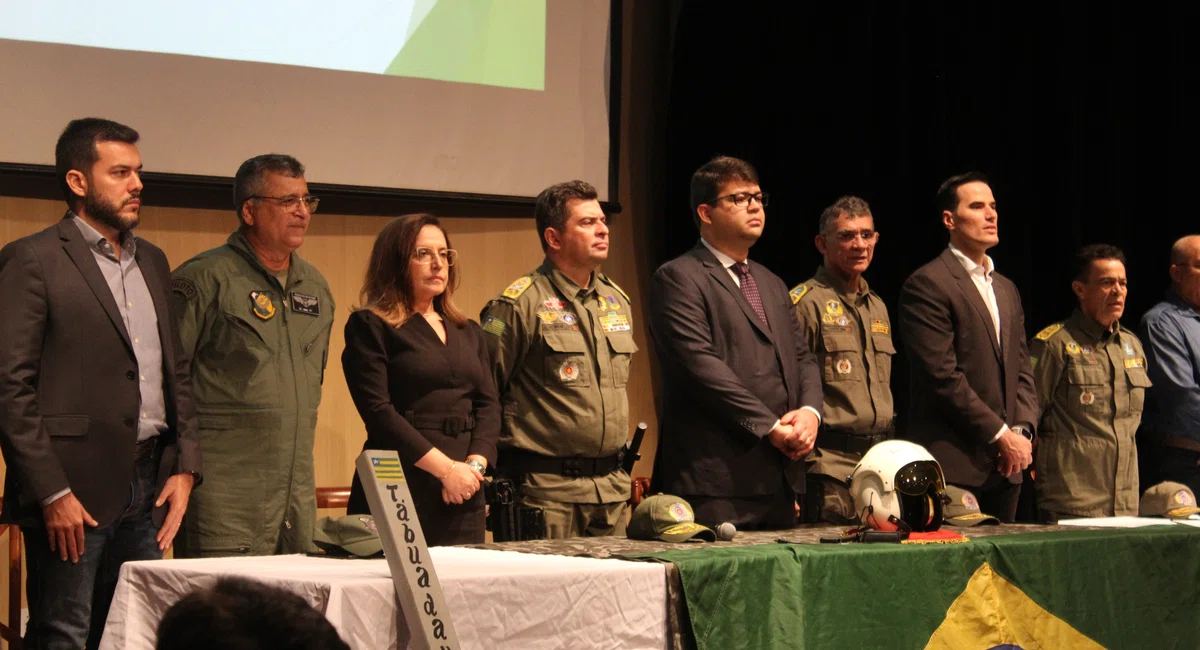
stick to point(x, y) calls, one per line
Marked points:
point(476, 465)
point(1023, 432)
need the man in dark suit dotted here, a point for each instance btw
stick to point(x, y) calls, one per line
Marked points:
point(96, 419)
point(742, 391)
point(973, 401)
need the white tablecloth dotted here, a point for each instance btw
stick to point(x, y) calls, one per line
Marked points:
point(498, 599)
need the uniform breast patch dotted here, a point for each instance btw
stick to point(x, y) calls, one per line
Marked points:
point(1138, 362)
point(261, 305)
point(306, 304)
point(880, 327)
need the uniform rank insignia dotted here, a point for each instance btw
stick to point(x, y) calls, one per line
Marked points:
point(261, 303)
point(798, 292)
point(305, 304)
point(517, 288)
point(1135, 363)
point(494, 326)
point(833, 307)
point(880, 327)
point(1045, 334)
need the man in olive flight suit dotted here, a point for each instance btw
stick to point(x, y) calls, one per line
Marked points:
point(561, 341)
point(255, 319)
point(847, 327)
point(1091, 381)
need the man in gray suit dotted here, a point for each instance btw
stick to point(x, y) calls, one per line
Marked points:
point(96, 418)
point(742, 391)
point(973, 401)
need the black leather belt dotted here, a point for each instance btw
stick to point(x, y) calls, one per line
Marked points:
point(145, 449)
point(851, 443)
point(514, 462)
point(449, 424)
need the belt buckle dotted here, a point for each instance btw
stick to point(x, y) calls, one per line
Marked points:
point(572, 467)
point(453, 426)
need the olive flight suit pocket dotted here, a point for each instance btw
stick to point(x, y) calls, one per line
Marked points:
point(884, 350)
point(1087, 387)
point(1139, 381)
point(566, 362)
point(623, 347)
point(843, 357)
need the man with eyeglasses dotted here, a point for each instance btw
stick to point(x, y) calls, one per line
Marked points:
point(1171, 333)
point(847, 327)
point(742, 390)
point(561, 340)
point(255, 320)
point(974, 405)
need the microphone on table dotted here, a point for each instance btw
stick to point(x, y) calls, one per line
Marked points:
point(726, 532)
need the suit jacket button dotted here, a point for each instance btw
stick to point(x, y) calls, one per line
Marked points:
point(130, 422)
point(131, 375)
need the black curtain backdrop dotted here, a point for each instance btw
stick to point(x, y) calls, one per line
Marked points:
point(1077, 113)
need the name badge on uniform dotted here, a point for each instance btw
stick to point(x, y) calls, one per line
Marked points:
point(261, 305)
point(305, 304)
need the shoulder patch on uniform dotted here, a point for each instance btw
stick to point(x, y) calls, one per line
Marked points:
point(1045, 334)
point(517, 288)
point(797, 293)
point(185, 287)
point(614, 285)
point(494, 326)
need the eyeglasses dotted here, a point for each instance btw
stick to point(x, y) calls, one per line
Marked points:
point(290, 203)
point(742, 199)
point(848, 236)
point(447, 256)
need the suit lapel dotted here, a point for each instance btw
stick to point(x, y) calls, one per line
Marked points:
point(968, 287)
point(721, 275)
point(77, 249)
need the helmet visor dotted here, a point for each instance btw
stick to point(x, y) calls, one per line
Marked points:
point(915, 478)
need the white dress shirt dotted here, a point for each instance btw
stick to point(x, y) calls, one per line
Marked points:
point(981, 275)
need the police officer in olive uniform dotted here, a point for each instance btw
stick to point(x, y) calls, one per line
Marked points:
point(255, 319)
point(847, 327)
point(561, 340)
point(1091, 382)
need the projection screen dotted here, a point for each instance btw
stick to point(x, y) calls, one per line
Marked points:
point(498, 97)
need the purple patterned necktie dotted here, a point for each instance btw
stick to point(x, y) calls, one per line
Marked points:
point(750, 289)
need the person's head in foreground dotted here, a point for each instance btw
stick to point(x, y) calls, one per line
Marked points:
point(241, 614)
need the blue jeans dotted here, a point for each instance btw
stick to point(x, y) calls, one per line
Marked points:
point(68, 603)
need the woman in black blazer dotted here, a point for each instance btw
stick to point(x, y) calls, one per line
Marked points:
point(421, 379)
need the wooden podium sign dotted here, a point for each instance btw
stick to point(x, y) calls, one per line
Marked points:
point(417, 586)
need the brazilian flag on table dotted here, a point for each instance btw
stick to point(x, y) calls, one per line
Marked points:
point(1130, 588)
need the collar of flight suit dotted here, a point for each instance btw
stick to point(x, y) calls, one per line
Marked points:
point(1093, 329)
point(825, 276)
point(564, 284)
